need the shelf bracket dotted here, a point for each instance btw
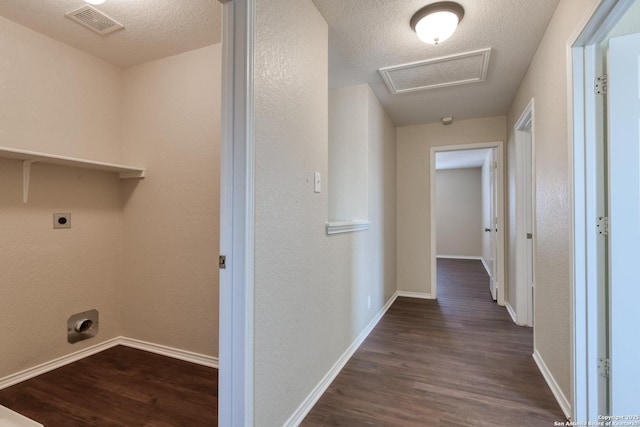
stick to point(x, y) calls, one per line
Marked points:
point(26, 179)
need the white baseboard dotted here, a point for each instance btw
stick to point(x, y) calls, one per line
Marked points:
point(43, 368)
point(56, 363)
point(511, 312)
point(175, 353)
point(553, 385)
point(486, 267)
point(298, 416)
point(407, 294)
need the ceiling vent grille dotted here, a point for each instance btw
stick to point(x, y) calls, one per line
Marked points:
point(94, 20)
point(464, 68)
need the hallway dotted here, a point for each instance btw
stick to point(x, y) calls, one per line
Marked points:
point(457, 361)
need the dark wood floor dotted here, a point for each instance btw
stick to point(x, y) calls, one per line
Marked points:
point(119, 387)
point(457, 361)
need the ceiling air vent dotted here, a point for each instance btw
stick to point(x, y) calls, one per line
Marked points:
point(453, 70)
point(94, 20)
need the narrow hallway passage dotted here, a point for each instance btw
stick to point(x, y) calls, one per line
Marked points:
point(457, 361)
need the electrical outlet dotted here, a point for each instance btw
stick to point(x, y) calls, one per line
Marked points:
point(369, 302)
point(61, 220)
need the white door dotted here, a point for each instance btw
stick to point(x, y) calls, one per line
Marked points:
point(493, 191)
point(624, 203)
point(528, 216)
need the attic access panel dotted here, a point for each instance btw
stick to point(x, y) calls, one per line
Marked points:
point(452, 70)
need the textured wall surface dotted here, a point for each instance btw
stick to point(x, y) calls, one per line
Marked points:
point(459, 212)
point(48, 275)
point(348, 147)
point(171, 124)
point(311, 290)
point(414, 218)
point(546, 81)
point(56, 99)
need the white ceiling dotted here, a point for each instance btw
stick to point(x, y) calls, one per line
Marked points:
point(153, 28)
point(365, 35)
point(461, 159)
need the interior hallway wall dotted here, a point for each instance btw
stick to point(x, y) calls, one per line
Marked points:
point(413, 208)
point(459, 212)
point(311, 289)
point(171, 124)
point(546, 81)
point(58, 100)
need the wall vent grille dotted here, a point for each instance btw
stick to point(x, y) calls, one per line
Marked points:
point(94, 20)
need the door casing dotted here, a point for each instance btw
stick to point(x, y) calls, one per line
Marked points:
point(500, 239)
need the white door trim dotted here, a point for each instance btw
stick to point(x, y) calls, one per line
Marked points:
point(500, 239)
point(524, 134)
point(235, 395)
point(583, 129)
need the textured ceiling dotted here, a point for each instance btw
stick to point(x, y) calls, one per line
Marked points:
point(366, 35)
point(153, 28)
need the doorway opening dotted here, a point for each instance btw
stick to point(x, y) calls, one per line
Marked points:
point(604, 375)
point(490, 243)
point(522, 313)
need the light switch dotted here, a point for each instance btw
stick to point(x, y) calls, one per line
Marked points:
point(317, 182)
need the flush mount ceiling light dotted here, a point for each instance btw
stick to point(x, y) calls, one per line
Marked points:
point(436, 22)
point(94, 2)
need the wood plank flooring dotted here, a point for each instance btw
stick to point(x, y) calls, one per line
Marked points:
point(119, 387)
point(458, 361)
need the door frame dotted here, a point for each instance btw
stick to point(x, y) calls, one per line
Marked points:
point(525, 214)
point(585, 135)
point(236, 312)
point(500, 238)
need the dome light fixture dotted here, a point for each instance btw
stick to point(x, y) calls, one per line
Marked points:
point(436, 22)
point(94, 2)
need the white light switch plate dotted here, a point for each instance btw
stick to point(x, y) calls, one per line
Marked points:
point(317, 182)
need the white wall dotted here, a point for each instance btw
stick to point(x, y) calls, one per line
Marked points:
point(311, 289)
point(413, 210)
point(58, 100)
point(459, 212)
point(546, 81)
point(348, 148)
point(171, 124)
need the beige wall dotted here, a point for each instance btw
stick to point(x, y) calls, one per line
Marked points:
point(546, 81)
point(311, 290)
point(171, 124)
point(413, 210)
point(58, 100)
point(348, 147)
point(459, 212)
point(161, 279)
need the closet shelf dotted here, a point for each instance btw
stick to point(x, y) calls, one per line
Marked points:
point(30, 157)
